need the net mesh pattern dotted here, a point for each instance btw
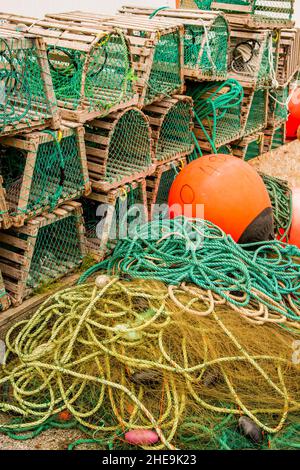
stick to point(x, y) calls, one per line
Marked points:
point(107, 80)
point(278, 138)
point(165, 75)
point(277, 104)
point(257, 114)
point(54, 175)
point(23, 95)
point(210, 59)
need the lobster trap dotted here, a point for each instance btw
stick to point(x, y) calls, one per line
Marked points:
point(206, 40)
point(257, 116)
point(252, 13)
point(118, 149)
point(41, 170)
point(171, 122)
point(91, 69)
point(43, 250)
point(278, 106)
point(288, 55)
point(251, 58)
point(249, 147)
point(158, 187)
point(5, 220)
point(219, 110)
point(27, 100)
point(274, 137)
point(156, 50)
point(110, 216)
point(4, 297)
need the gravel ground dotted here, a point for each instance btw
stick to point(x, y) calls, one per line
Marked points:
point(283, 163)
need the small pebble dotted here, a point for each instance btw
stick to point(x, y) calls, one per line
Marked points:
point(250, 429)
point(102, 280)
point(141, 437)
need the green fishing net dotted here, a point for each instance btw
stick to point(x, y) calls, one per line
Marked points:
point(257, 114)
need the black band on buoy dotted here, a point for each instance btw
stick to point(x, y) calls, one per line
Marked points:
point(261, 228)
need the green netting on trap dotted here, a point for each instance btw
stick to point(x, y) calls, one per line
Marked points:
point(38, 180)
point(96, 80)
point(175, 136)
point(165, 76)
point(129, 147)
point(253, 150)
point(278, 138)
point(267, 10)
point(278, 109)
point(217, 109)
point(57, 251)
point(206, 50)
point(23, 92)
point(166, 180)
point(257, 114)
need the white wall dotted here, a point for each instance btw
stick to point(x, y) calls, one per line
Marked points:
point(38, 8)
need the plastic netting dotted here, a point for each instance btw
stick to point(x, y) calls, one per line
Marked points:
point(278, 138)
point(102, 235)
point(217, 108)
point(267, 10)
point(253, 150)
point(257, 114)
point(57, 251)
point(129, 147)
point(166, 180)
point(39, 179)
point(208, 52)
point(23, 89)
point(278, 109)
point(165, 76)
point(175, 134)
point(96, 80)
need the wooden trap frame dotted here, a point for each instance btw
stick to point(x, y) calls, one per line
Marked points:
point(171, 122)
point(206, 39)
point(5, 220)
point(256, 110)
point(41, 170)
point(107, 215)
point(249, 57)
point(274, 137)
point(27, 99)
point(251, 13)
point(156, 49)
point(119, 149)
point(287, 43)
point(158, 186)
point(91, 69)
point(45, 249)
point(249, 147)
point(4, 297)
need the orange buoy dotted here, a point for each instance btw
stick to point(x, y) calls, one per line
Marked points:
point(232, 194)
point(294, 103)
point(294, 237)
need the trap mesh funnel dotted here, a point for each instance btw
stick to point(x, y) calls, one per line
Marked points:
point(219, 111)
point(41, 251)
point(249, 147)
point(108, 216)
point(158, 187)
point(206, 39)
point(156, 50)
point(27, 99)
point(264, 13)
point(91, 69)
point(171, 123)
point(42, 170)
point(258, 112)
point(118, 149)
point(249, 57)
point(287, 43)
point(277, 106)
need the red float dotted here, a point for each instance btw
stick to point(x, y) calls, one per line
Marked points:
point(292, 125)
point(294, 103)
point(294, 237)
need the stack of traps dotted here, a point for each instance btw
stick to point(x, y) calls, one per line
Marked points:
point(251, 13)
point(27, 100)
point(206, 40)
point(43, 250)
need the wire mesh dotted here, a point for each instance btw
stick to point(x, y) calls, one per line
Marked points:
point(48, 174)
point(24, 93)
point(257, 114)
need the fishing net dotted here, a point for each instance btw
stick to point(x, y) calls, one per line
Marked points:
point(165, 76)
point(97, 79)
point(106, 222)
point(206, 49)
point(278, 138)
point(24, 90)
point(248, 148)
point(124, 355)
point(261, 280)
point(41, 170)
point(217, 109)
point(118, 148)
point(257, 118)
point(282, 204)
point(278, 109)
